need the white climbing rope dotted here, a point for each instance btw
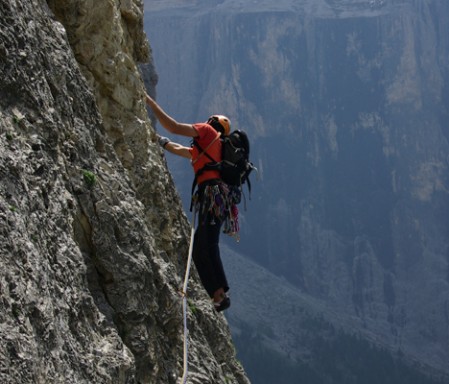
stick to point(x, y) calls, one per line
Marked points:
point(184, 302)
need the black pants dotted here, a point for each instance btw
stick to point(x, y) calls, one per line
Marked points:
point(206, 253)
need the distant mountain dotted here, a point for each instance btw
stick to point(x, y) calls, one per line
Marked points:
point(346, 103)
point(285, 336)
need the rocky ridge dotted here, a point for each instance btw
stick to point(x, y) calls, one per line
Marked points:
point(93, 238)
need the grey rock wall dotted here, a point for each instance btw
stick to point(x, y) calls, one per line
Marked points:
point(93, 237)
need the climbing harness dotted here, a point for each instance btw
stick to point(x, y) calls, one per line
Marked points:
point(219, 201)
point(184, 302)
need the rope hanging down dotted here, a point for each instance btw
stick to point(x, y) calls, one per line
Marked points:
point(184, 302)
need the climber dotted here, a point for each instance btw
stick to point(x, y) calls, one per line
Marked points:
point(212, 199)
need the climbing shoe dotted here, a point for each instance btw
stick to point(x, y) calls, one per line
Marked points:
point(223, 304)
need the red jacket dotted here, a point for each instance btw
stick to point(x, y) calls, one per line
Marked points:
point(209, 140)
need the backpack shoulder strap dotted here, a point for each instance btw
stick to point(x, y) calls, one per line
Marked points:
point(212, 163)
point(204, 151)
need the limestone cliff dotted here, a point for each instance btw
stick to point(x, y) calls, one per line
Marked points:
point(93, 237)
point(346, 102)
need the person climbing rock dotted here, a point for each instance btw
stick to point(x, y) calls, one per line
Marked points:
point(212, 200)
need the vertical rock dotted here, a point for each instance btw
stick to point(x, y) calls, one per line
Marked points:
point(93, 238)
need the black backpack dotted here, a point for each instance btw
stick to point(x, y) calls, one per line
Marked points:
point(235, 166)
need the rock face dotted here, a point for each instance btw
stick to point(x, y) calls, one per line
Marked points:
point(347, 105)
point(93, 237)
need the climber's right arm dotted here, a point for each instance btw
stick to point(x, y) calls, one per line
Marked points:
point(173, 147)
point(178, 149)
